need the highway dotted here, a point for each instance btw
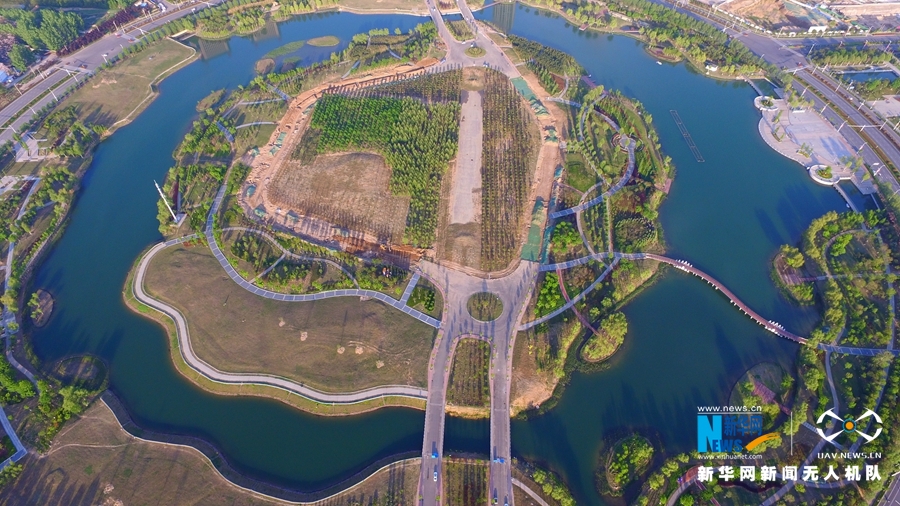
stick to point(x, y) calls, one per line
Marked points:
point(776, 52)
point(67, 72)
point(456, 287)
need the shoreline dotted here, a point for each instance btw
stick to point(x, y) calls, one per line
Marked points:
point(292, 398)
point(218, 461)
point(633, 35)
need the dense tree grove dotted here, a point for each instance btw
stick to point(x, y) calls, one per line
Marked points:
point(469, 384)
point(627, 460)
point(106, 26)
point(565, 236)
point(610, 335)
point(676, 33)
point(43, 28)
point(94, 4)
point(549, 296)
point(11, 389)
point(855, 307)
point(875, 89)
point(850, 55)
point(67, 135)
point(554, 487)
point(36, 30)
point(509, 152)
point(553, 60)
point(416, 140)
point(207, 135)
point(436, 87)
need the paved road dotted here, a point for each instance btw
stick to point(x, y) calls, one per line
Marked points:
point(456, 287)
point(892, 496)
point(187, 352)
point(776, 52)
point(456, 51)
point(90, 56)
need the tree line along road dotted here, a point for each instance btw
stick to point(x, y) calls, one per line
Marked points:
point(92, 57)
point(777, 53)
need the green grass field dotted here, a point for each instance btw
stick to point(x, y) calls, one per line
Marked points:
point(340, 344)
point(117, 93)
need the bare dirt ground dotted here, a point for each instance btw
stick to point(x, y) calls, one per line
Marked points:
point(549, 157)
point(237, 331)
point(529, 387)
point(465, 194)
point(771, 12)
point(95, 462)
point(266, 165)
point(331, 189)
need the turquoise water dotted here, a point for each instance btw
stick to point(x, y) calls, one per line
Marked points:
point(114, 220)
point(686, 344)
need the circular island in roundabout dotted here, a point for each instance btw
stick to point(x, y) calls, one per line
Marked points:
point(485, 306)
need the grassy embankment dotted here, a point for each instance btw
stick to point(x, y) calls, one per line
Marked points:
point(282, 349)
point(95, 460)
point(118, 94)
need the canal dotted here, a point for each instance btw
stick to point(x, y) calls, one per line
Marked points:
point(686, 344)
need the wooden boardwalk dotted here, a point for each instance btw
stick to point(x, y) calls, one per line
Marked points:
point(771, 326)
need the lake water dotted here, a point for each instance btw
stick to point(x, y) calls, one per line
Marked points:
point(686, 345)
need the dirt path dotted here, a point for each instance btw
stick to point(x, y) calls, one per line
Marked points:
point(465, 193)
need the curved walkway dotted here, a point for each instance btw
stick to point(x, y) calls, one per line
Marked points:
point(573, 300)
point(682, 265)
point(213, 374)
point(20, 448)
point(351, 292)
point(618, 186)
point(245, 125)
point(531, 493)
point(286, 252)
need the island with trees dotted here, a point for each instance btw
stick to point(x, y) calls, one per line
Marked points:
point(617, 176)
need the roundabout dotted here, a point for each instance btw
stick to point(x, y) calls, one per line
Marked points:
point(484, 306)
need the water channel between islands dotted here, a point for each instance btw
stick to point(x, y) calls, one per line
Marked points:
point(686, 345)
